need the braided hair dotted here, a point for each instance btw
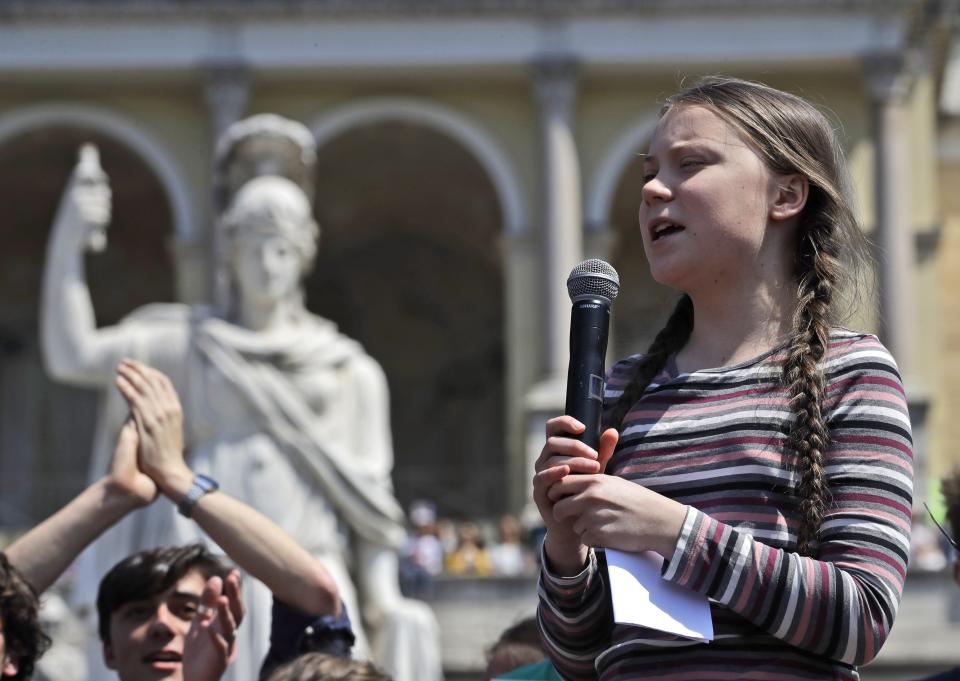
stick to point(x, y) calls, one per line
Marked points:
point(791, 136)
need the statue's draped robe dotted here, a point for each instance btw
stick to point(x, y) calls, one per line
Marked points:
point(296, 425)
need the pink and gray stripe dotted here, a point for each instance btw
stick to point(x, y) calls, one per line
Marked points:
point(716, 441)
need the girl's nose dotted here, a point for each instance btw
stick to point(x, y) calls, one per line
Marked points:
point(656, 188)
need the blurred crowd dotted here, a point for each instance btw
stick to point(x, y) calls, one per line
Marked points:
point(439, 546)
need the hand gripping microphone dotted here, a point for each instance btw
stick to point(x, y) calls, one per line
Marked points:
point(593, 285)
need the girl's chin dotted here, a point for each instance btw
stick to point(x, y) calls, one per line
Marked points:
point(675, 277)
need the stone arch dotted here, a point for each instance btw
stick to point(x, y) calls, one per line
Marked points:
point(168, 171)
point(410, 264)
point(466, 132)
point(611, 167)
point(46, 427)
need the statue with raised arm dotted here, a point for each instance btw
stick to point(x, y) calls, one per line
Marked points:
point(285, 412)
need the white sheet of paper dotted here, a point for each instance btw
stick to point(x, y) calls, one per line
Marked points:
point(641, 596)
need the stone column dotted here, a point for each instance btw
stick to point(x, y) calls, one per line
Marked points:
point(227, 92)
point(555, 87)
point(890, 77)
point(562, 250)
point(889, 81)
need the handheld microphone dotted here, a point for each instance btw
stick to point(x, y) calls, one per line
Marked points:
point(593, 285)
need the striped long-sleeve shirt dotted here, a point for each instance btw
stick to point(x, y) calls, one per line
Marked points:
point(716, 440)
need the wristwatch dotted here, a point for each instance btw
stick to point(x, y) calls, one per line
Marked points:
point(202, 484)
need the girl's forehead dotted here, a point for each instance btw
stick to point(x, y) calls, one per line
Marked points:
point(692, 123)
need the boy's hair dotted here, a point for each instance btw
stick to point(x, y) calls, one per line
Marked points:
point(322, 667)
point(791, 136)
point(518, 646)
point(148, 573)
point(20, 617)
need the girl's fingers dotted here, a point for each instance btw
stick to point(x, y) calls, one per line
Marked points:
point(608, 443)
point(550, 476)
point(564, 425)
point(567, 445)
point(570, 506)
point(576, 464)
point(571, 485)
point(565, 448)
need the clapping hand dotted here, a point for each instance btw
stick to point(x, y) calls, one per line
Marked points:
point(210, 645)
point(159, 418)
point(125, 478)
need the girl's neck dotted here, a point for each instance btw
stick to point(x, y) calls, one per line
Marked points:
point(731, 327)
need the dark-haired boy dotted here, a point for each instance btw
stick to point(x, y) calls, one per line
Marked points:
point(147, 605)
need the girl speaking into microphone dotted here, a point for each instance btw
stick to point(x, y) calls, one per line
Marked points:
point(762, 450)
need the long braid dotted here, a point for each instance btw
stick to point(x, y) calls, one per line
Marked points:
point(671, 338)
point(809, 435)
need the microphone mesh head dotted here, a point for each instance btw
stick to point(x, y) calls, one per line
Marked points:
point(593, 278)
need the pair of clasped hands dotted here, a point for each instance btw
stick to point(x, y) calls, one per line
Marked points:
point(584, 507)
point(148, 457)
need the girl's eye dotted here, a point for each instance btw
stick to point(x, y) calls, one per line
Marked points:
point(691, 162)
point(648, 177)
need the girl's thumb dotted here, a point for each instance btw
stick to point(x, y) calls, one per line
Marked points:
point(608, 442)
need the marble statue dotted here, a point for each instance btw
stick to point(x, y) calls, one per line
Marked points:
point(287, 413)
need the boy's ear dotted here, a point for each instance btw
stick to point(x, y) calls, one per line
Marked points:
point(108, 655)
point(790, 197)
point(8, 666)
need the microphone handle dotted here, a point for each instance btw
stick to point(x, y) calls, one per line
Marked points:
point(589, 326)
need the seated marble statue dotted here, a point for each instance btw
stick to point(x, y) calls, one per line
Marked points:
point(285, 412)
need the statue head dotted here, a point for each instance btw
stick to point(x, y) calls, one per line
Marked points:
point(269, 239)
point(265, 144)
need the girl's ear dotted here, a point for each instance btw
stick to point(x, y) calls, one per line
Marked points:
point(790, 197)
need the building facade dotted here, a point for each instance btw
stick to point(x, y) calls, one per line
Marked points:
point(470, 154)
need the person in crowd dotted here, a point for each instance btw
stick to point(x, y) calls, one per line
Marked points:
point(510, 556)
point(519, 654)
point(323, 667)
point(447, 534)
point(423, 553)
point(762, 451)
point(22, 640)
point(148, 605)
point(470, 557)
point(182, 597)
